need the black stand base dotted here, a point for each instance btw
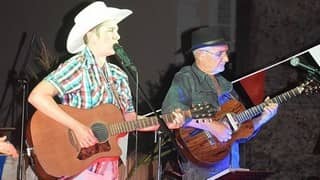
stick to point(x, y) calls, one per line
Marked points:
point(239, 173)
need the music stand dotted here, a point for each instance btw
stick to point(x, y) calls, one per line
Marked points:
point(240, 173)
point(4, 131)
point(7, 129)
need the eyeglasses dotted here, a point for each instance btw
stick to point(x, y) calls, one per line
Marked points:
point(216, 54)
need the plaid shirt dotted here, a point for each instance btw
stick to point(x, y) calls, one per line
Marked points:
point(82, 84)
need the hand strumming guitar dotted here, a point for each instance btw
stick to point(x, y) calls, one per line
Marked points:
point(176, 123)
point(220, 130)
point(84, 135)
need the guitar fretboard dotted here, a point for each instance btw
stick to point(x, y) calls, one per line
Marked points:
point(129, 126)
point(256, 110)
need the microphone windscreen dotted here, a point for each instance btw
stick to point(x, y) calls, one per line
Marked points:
point(295, 61)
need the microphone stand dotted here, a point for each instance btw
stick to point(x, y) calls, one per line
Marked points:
point(21, 164)
point(23, 82)
point(163, 129)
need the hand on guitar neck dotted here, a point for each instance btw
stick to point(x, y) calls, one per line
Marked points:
point(178, 120)
point(269, 111)
point(7, 148)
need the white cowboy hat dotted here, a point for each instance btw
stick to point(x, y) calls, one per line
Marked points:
point(90, 17)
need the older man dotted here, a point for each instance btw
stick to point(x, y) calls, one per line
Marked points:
point(203, 83)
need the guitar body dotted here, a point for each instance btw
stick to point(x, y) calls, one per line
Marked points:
point(202, 148)
point(55, 148)
point(205, 150)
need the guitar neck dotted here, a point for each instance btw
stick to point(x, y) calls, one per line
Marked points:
point(256, 110)
point(128, 126)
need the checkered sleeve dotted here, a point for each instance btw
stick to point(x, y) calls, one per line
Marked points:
point(67, 77)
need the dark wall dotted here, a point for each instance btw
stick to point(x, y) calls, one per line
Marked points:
point(272, 31)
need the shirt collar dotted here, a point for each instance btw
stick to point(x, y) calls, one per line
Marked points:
point(87, 54)
point(226, 86)
point(200, 75)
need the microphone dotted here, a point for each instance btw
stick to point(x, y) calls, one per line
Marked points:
point(125, 61)
point(296, 63)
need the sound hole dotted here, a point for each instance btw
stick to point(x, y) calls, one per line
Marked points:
point(100, 132)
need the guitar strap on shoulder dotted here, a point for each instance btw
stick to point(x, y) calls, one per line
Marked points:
point(123, 141)
point(216, 84)
point(116, 95)
point(233, 97)
point(111, 85)
point(218, 88)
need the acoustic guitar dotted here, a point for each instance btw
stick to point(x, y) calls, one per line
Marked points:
point(203, 149)
point(56, 152)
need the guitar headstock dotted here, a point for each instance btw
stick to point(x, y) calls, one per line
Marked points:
point(310, 86)
point(202, 111)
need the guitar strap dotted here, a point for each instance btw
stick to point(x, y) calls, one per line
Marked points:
point(109, 80)
point(116, 95)
point(233, 97)
point(219, 92)
point(123, 141)
point(216, 85)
